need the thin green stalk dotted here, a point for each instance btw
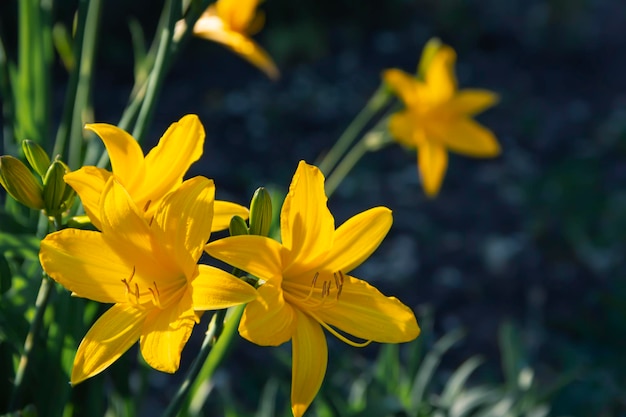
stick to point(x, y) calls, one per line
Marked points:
point(158, 72)
point(377, 101)
point(217, 325)
point(64, 130)
point(198, 390)
point(371, 141)
point(83, 86)
point(8, 105)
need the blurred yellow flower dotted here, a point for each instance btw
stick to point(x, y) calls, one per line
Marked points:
point(148, 270)
point(147, 179)
point(307, 287)
point(231, 23)
point(438, 117)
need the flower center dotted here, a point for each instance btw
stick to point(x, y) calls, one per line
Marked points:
point(133, 294)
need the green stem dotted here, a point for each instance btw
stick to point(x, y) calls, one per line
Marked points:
point(64, 129)
point(83, 86)
point(371, 141)
point(215, 329)
point(158, 72)
point(43, 296)
point(378, 100)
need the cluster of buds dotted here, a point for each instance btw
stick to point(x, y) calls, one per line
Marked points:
point(49, 192)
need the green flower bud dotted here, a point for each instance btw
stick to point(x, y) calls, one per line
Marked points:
point(54, 188)
point(36, 157)
point(260, 212)
point(20, 182)
point(237, 226)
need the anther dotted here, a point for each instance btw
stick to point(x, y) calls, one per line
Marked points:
point(145, 208)
point(155, 295)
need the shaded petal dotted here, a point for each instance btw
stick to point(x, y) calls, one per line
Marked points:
point(165, 333)
point(268, 320)
point(110, 336)
point(126, 156)
point(364, 312)
point(310, 358)
point(236, 13)
point(84, 263)
point(241, 45)
point(257, 255)
point(403, 127)
point(432, 163)
point(307, 227)
point(223, 211)
point(404, 85)
point(88, 182)
point(182, 222)
point(467, 137)
point(180, 146)
point(469, 102)
point(358, 238)
point(440, 77)
point(213, 289)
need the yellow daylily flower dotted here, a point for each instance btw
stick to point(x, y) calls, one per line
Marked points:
point(307, 286)
point(438, 117)
point(148, 270)
point(231, 23)
point(147, 179)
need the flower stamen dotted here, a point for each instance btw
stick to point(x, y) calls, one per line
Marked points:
point(155, 295)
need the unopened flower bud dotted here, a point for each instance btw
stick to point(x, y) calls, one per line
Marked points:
point(237, 226)
point(54, 189)
point(260, 213)
point(36, 157)
point(20, 182)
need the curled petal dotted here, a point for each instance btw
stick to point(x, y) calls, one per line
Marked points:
point(469, 102)
point(165, 333)
point(214, 289)
point(467, 137)
point(405, 128)
point(440, 78)
point(366, 313)
point(310, 358)
point(268, 320)
point(110, 336)
point(88, 182)
point(224, 211)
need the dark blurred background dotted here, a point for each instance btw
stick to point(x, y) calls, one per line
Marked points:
point(534, 237)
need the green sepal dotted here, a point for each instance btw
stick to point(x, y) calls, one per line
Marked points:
point(20, 182)
point(36, 157)
point(238, 226)
point(261, 212)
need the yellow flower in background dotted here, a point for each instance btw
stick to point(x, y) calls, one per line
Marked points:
point(147, 179)
point(148, 270)
point(231, 23)
point(438, 117)
point(307, 287)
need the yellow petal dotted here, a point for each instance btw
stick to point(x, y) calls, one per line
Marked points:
point(237, 13)
point(469, 102)
point(310, 358)
point(358, 238)
point(128, 233)
point(307, 227)
point(406, 86)
point(257, 255)
point(125, 153)
point(165, 333)
point(440, 78)
point(432, 164)
point(88, 182)
point(214, 289)
point(182, 222)
point(243, 46)
point(180, 146)
point(404, 128)
point(224, 211)
point(84, 263)
point(364, 312)
point(467, 137)
point(268, 320)
point(110, 336)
